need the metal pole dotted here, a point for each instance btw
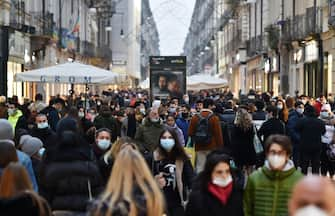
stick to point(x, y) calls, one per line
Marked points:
point(60, 23)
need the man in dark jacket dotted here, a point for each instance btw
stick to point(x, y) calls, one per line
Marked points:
point(183, 122)
point(53, 112)
point(293, 117)
point(228, 114)
point(43, 131)
point(310, 129)
point(260, 114)
point(271, 126)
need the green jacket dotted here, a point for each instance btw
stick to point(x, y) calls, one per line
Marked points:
point(267, 192)
point(13, 119)
point(147, 135)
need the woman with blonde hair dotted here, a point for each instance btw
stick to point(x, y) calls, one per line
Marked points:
point(106, 162)
point(242, 140)
point(131, 191)
point(17, 196)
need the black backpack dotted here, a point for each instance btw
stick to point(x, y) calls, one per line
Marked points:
point(202, 133)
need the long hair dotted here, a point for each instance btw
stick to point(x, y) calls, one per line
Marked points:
point(7, 153)
point(177, 151)
point(122, 183)
point(15, 182)
point(283, 114)
point(243, 119)
point(212, 161)
point(116, 147)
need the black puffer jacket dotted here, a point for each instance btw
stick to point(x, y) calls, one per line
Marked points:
point(65, 181)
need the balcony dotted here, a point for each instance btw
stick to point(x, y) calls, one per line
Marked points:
point(43, 24)
point(255, 45)
point(87, 49)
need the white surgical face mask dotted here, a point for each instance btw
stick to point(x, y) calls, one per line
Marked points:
point(167, 144)
point(300, 110)
point(310, 210)
point(11, 112)
point(324, 114)
point(42, 125)
point(41, 152)
point(222, 182)
point(81, 114)
point(104, 144)
point(280, 107)
point(154, 120)
point(276, 161)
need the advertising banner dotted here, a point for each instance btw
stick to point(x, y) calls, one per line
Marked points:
point(167, 77)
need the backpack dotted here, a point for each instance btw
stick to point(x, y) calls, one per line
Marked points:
point(202, 133)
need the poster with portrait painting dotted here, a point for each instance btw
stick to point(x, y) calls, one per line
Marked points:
point(167, 77)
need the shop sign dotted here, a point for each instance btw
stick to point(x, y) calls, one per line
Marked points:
point(311, 51)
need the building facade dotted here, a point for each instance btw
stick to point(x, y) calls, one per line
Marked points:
point(279, 46)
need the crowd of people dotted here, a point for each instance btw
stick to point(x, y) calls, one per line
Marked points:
point(205, 153)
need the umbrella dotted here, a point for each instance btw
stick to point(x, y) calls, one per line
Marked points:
point(71, 72)
point(204, 81)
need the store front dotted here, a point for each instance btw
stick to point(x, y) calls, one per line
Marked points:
point(313, 77)
point(255, 74)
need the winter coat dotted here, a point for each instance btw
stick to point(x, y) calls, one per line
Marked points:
point(122, 206)
point(15, 118)
point(214, 128)
point(66, 178)
point(23, 204)
point(293, 118)
point(147, 135)
point(242, 146)
point(228, 116)
point(168, 167)
point(203, 203)
point(179, 133)
point(270, 127)
point(25, 160)
point(47, 136)
point(183, 124)
point(327, 138)
point(259, 115)
point(267, 191)
point(310, 129)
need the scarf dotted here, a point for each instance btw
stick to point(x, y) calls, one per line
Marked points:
point(221, 193)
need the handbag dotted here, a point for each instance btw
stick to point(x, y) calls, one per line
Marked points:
point(257, 143)
point(190, 151)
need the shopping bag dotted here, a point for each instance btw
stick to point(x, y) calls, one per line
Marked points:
point(257, 143)
point(190, 151)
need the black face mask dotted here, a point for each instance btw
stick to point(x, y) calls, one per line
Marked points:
point(185, 115)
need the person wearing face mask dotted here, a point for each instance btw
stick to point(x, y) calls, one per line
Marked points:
point(268, 189)
point(313, 196)
point(329, 119)
point(33, 147)
point(293, 118)
point(183, 122)
point(282, 110)
point(13, 113)
point(272, 125)
point(171, 124)
point(148, 132)
point(102, 142)
point(310, 129)
point(43, 131)
point(218, 190)
point(173, 171)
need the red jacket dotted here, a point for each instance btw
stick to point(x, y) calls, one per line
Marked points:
point(215, 128)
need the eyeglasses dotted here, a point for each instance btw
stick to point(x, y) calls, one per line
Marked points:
point(279, 153)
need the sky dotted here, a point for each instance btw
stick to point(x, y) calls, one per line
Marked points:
point(173, 18)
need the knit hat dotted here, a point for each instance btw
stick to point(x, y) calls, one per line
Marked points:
point(30, 145)
point(6, 130)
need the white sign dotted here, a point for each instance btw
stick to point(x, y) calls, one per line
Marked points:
point(311, 51)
